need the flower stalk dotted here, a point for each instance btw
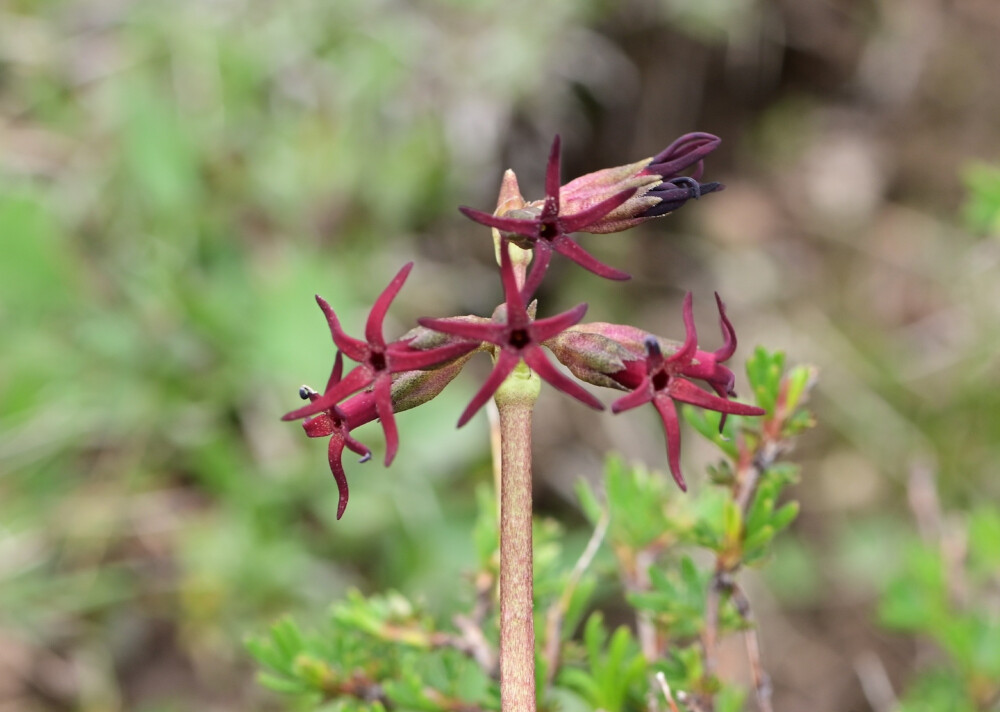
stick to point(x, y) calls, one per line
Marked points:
point(515, 401)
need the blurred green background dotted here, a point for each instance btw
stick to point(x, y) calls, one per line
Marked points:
point(177, 179)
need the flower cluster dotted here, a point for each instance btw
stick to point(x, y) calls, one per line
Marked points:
point(393, 376)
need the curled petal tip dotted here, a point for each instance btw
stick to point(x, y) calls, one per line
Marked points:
point(690, 182)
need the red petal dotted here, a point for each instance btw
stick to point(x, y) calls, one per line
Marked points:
point(357, 447)
point(356, 349)
point(517, 316)
point(672, 428)
point(535, 358)
point(642, 394)
point(539, 265)
point(728, 333)
point(319, 427)
point(567, 247)
point(403, 359)
point(685, 353)
point(335, 450)
point(336, 373)
point(373, 328)
point(687, 392)
point(383, 406)
point(504, 365)
point(550, 327)
point(528, 228)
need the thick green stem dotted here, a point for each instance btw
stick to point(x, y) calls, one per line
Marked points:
point(515, 401)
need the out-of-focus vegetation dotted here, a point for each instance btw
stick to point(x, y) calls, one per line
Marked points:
point(177, 179)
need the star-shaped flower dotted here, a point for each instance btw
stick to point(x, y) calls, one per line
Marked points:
point(377, 362)
point(666, 380)
point(549, 230)
point(337, 422)
point(518, 337)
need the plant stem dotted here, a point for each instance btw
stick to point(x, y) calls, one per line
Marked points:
point(515, 401)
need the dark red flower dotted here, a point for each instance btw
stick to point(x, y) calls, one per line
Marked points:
point(549, 230)
point(377, 362)
point(666, 380)
point(519, 337)
point(337, 421)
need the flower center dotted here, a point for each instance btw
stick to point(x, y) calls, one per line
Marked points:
point(377, 361)
point(519, 338)
point(548, 231)
point(660, 380)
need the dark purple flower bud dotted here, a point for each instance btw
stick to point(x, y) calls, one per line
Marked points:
point(660, 187)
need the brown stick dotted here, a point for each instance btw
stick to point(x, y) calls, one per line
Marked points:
point(515, 401)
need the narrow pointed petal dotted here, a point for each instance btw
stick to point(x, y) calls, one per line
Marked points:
point(356, 349)
point(550, 327)
point(493, 333)
point(580, 220)
point(672, 428)
point(357, 447)
point(687, 392)
point(686, 352)
point(672, 198)
point(383, 406)
point(640, 396)
point(539, 265)
point(528, 228)
point(355, 381)
point(728, 347)
point(568, 248)
point(504, 365)
point(373, 328)
point(402, 359)
point(552, 180)
point(516, 315)
point(535, 358)
point(722, 394)
point(686, 151)
point(335, 374)
point(334, 453)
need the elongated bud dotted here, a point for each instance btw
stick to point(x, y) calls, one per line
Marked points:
point(413, 388)
point(511, 203)
point(660, 188)
point(421, 338)
point(593, 354)
point(510, 197)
